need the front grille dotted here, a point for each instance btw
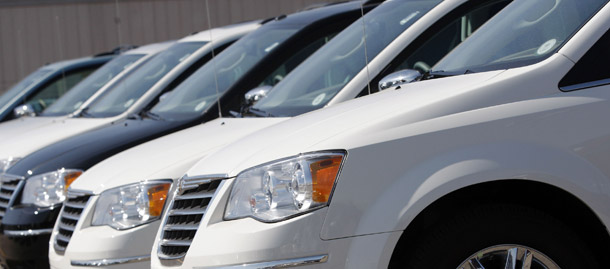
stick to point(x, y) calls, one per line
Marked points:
point(68, 218)
point(185, 213)
point(8, 191)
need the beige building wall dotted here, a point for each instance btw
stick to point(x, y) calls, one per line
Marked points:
point(35, 32)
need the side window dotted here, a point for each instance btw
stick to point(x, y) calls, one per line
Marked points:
point(52, 91)
point(589, 71)
point(441, 38)
point(278, 74)
point(445, 40)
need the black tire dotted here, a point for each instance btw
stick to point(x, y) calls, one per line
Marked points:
point(450, 241)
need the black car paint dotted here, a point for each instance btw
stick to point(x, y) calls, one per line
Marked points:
point(85, 150)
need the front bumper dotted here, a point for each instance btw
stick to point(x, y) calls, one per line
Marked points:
point(247, 243)
point(118, 249)
point(24, 236)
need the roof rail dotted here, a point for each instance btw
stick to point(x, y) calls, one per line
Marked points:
point(319, 5)
point(278, 18)
point(118, 50)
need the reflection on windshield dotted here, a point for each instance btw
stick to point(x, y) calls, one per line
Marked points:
point(531, 32)
point(72, 100)
point(23, 84)
point(126, 92)
point(198, 92)
point(312, 84)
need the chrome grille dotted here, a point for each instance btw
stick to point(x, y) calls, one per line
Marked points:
point(68, 218)
point(9, 186)
point(185, 213)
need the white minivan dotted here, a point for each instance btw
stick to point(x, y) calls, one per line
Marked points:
point(498, 158)
point(169, 157)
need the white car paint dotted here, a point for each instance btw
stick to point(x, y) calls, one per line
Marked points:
point(408, 148)
point(163, 158)
point(15, 128)
point(171, 156)
point(31, 140)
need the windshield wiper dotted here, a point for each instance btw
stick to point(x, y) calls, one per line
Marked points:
point(431, 74)
point(259, 112)
point(84, 113)
point(236, 114)
point(151, 115)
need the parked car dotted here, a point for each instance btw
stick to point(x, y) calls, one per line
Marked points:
point(24, 240)
point(135, 92)
point(496, 159)
point(42, 87)
point(273, 51)
point(263, 57)
point(85, 91)
point(173, 154)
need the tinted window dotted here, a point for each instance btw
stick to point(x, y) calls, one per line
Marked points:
point(23, 84)
point(294, 61)
point(86, 88)
point(449, 35)
point(523, 33)
point(126, 92)
point(202, 89)
point(49, 94)
point(323, 75)
point(589, 71)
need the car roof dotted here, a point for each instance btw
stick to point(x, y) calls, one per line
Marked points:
point(67, 63)
point(318, 13)
point(220, 32)
point(151, 48)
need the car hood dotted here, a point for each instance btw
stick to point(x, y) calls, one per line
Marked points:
point(37, 138)
point(367, 120)
point(17, 127)
point(168, 157)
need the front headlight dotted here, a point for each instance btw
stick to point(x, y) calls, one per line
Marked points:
point(49, 189)
point(284, 188)
point(6, 164)
point(131, 205)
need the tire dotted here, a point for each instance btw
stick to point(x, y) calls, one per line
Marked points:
point(455, 239)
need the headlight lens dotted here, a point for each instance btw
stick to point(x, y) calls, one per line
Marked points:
point(6, 164)
point(49, 189)
point(131, 205)
point(284, 188)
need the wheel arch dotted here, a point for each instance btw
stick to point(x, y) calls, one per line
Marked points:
point(557, 202)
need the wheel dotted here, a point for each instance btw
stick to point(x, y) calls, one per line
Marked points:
point(495, 236)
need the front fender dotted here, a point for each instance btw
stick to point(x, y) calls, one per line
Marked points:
point(368, 202)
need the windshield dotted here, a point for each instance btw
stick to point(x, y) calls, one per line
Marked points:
point(23, 84)
point(531, 32)
point(72, 100)
point(127, 91)
point(313, 83)
point(201, 90)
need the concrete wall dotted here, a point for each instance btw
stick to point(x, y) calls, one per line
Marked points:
point(35, 32)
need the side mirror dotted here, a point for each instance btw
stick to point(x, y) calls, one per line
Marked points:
point(24, 110)
point(399, 78)
point(252, 96)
